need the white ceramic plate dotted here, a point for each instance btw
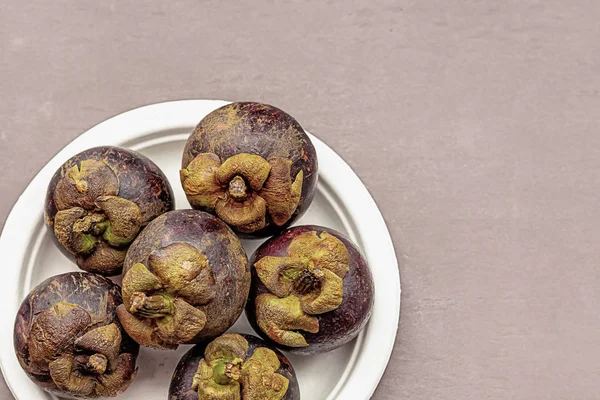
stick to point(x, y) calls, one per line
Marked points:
point(159, 131)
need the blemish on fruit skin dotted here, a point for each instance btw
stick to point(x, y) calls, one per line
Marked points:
point(305, 157)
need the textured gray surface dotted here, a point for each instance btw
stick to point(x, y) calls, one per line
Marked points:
point(473, 123)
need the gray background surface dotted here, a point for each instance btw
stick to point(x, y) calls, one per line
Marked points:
point(473, 123)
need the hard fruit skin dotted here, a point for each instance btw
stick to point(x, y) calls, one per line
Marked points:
point(140, 181)
point(224, 253)
point(181, 383)
point(336, 327)
point(94, 293)
point(264, 130)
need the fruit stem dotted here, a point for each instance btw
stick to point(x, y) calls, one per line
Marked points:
point(225, 372)
point(156, 306)
point(94, 364)
point(306, 281)
point(238, 189)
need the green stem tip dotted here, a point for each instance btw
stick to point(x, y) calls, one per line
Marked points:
point(156, 306)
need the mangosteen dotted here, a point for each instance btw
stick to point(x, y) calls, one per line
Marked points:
point(252, 165)
point(69, 341)
point(312, 290)
point(234, 366)
point(186, 279)
point(99, 200)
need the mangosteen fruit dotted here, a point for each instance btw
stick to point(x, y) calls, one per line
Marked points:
point(186, 279)
point(252, 165)
point(69, 341)
point(99, 200)
point(312, 290)
point(234, 367)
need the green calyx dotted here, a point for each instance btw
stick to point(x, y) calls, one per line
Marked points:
point(79, 360)
point(161, 308)
point(115, 222)
point(309, 281)
point(226, 372)
point(92, 218)
point(244, 189)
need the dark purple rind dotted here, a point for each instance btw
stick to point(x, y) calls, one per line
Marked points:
point(268, 132)
point(225, 255)
point(337, 327)
point(181, 383)
point(140, 181)
point(99, 296)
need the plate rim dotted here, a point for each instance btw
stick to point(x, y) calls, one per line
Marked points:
point(370, 363)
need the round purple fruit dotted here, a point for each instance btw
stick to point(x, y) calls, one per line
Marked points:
point(69, 341)
point(234, 366)
point(186, 279)
point(99, 200)
point(252, 165)
point(312, 290)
